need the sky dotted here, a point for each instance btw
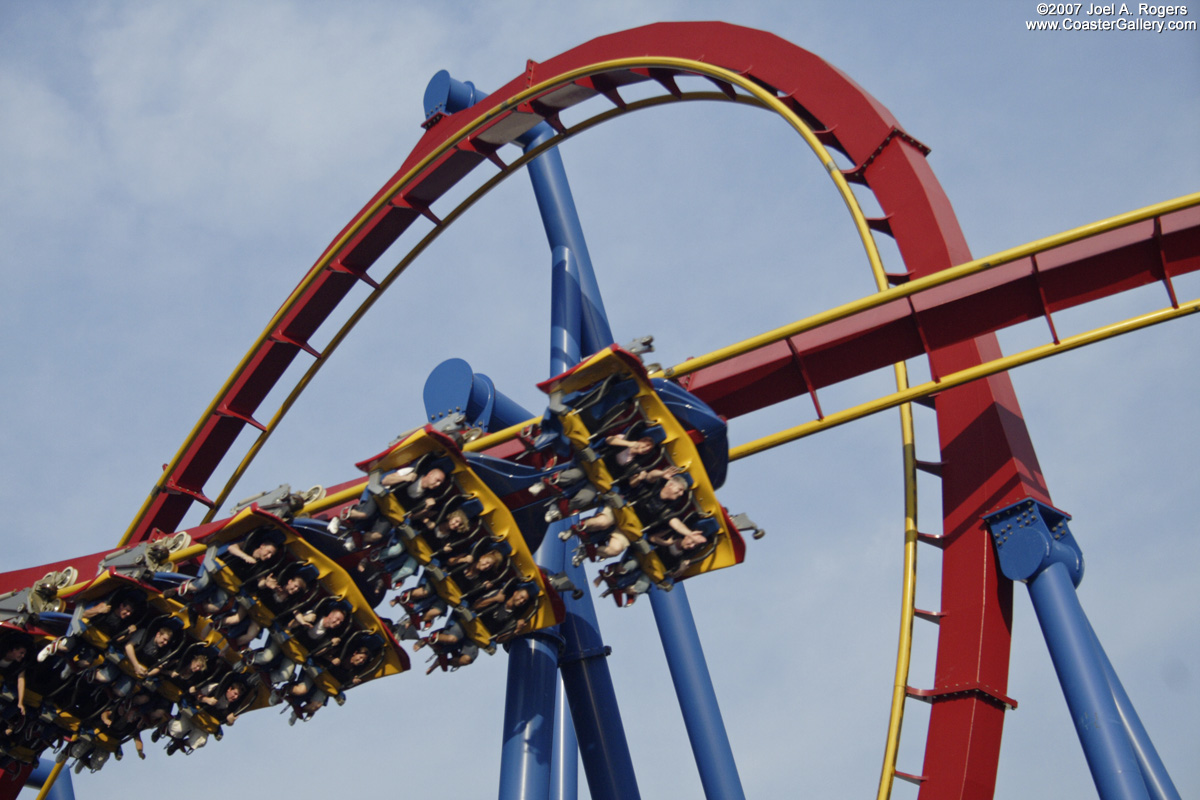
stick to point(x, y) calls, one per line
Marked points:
point(170, 170)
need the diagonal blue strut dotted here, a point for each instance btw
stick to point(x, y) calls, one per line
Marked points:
point(579, 328)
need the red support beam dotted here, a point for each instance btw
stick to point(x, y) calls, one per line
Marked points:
point(1063, 277)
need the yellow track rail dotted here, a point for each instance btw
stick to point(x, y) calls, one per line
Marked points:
point(758, 95)
point(952, 380)
point(930, 281)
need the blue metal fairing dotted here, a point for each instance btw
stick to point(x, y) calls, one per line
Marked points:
point(694, 414)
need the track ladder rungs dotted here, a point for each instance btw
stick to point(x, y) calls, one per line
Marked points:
point(929, 616)
point(225, 411)
point(938, 540)
point(338, 266)
point(283, 338)
point(933, 468)
point(904, 776)
point(171, 487)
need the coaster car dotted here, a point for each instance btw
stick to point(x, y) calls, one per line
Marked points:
point(426, 526)
point(324, 580)
point(610, 395)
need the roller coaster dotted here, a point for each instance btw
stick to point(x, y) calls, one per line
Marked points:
point(518, 480)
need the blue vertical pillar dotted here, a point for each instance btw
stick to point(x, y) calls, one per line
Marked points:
point(579, 328)
point(564, 770)
point(532, 740)
point(578, 317)
point(566, 310)
point(697, 699)
point(1109, 755)
point(589, 690)
point(578, 324)
point(445, 95)
point(1154, 772)
point(525, 757)
point(1035, 546)
point(586, 679)
point(538, 755)
point(565, 234)
point(62, 789)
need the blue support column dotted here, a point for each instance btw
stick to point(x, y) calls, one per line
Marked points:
point(564, 232)
point(578, 320)
point(586, 679)
point(1154, 772)
point(531, 735)
point(579, 324)
point(1089, 699)
point(566, 311)
point(1035, 546)
point(445, 95)
point(578, 317)
point(529, 710)
point(589, 689)
point(564, 770)
point(525, 758)
point(697, 699)
point(62, 789)
point(579, 328)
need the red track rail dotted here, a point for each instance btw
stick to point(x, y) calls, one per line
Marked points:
point(1152, 251)
point(988, 460)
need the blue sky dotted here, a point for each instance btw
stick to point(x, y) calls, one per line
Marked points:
point(168, 171)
